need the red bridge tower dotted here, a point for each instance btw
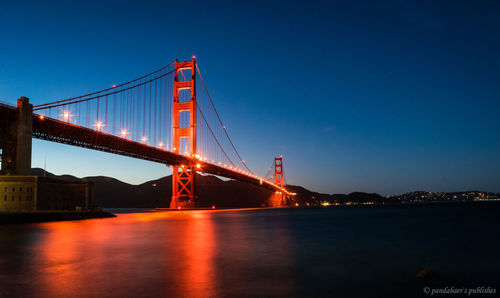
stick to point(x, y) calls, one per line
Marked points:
point(184, 176)
point(278, 171)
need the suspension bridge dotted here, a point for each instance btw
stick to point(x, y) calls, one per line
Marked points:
point(166, 116)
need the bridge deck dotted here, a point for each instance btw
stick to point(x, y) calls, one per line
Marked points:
point(53, 130)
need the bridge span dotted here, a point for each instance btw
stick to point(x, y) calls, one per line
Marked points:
point(123, 120)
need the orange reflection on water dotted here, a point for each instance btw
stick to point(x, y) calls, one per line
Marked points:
point(197, 246)
point(163, 253)
point(167, 253)
point(61, 256)
point(60, 252)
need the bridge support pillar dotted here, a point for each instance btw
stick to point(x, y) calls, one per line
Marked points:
point(184, 176)
point(24, 136)
point(16, 140)
point(278, 176)
point(278, 171)
point(183, 187)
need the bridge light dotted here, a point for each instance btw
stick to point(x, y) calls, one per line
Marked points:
point(98, 125)
point(213, 207)
point(124, 133)
point(160, 144)
point(144, 139)
point(194, 56)
point(41, 117)
point(178, 207)
point(198, 165)
point(114, 86)
point(182, 166)
point(66, 115)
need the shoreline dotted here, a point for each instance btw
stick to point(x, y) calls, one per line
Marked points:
point(50, 216)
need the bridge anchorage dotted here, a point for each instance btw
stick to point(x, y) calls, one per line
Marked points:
point(166, 116)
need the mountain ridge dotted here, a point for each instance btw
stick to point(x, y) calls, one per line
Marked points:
point(114, 193)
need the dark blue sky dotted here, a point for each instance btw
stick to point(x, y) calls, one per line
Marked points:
point(357, 96)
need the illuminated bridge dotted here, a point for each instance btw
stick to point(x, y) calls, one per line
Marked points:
point(167, 116)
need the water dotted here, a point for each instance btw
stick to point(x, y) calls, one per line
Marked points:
point(342, 252)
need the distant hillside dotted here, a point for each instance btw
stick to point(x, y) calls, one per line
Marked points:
point(113, 193)
point(427, 196)
point(305, 197)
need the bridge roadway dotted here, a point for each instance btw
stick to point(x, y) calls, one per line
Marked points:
point(54, 130)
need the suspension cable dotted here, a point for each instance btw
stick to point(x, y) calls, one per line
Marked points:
point(220, 121)
point(269, 171)
point(204, 119)
point(81, 96)
point(56, 104)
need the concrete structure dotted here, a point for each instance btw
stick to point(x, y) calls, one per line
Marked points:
point(20, 192)
point(15, 139)
point(33, 193)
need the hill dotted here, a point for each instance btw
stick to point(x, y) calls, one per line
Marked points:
point(113, 193)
